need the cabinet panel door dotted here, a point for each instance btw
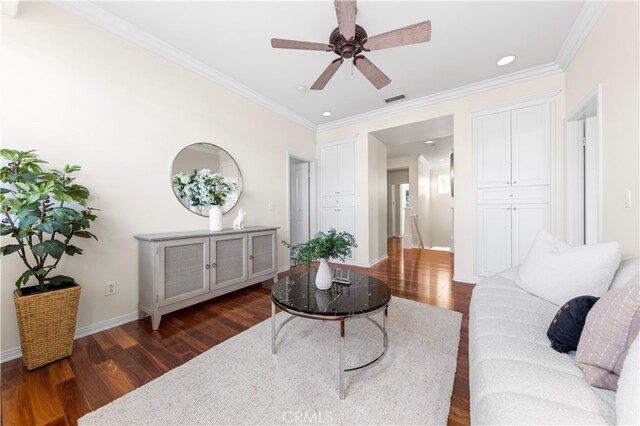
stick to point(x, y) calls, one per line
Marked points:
point(494, 238)
point(493, 146)
point(228, 260)
point(328, 167)
point(526, 221)
point(183, 269)
point(346, 160)
point(329, 219)
point(347, 223)
point(262, 253)
point(531, 145)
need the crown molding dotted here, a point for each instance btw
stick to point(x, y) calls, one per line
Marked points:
point(469, 89)
point(581, 28)
point(108, 21)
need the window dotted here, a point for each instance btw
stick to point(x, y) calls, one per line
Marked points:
point(444, 184)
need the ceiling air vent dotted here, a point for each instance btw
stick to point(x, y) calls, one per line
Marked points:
point(393, 99)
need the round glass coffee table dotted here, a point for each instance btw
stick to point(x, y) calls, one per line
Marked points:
point(365, 296)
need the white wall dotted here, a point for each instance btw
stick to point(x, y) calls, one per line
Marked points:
point(424, 201)
point(441, 223)
point(81, 95)
point(377, 200)
point(461, 108)
point(610, 56)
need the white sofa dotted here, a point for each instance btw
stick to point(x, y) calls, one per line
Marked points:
point(515, 376)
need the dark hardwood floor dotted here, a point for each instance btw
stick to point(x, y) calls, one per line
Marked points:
point(106, 365)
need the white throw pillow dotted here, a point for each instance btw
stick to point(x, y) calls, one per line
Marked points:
point(557, 272)
point(628, 394)
point(628, 274)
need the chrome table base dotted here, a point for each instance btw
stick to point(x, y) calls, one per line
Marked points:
point(342, 319)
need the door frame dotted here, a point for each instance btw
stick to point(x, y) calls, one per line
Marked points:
point(573, 187)
point(313, 224)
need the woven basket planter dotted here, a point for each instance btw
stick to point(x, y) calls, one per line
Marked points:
point(47, 325)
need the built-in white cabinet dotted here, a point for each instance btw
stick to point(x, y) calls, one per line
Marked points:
point(183, 268)
point(513, 156)
point(513, 148)
point(336, 170)
point(506, 232)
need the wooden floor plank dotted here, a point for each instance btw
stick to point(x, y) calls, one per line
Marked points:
point(106, 365)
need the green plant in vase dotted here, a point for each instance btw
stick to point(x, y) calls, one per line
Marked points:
point(323, 246)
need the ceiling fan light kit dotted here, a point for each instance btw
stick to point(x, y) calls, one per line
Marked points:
point(350, 40)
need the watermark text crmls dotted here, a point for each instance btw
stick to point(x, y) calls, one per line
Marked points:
point(308, 417)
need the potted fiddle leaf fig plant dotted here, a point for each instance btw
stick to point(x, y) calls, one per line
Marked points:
point(42, 211)
point(323, 246)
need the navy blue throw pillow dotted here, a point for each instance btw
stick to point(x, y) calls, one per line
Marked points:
point(566, 327)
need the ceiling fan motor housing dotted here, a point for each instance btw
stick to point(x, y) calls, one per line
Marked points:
point(347, 48)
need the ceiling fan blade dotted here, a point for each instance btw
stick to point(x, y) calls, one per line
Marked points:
point(304, 45)
point(327, 74)
point(373, 74)
point(346, 13)
point(416, 33)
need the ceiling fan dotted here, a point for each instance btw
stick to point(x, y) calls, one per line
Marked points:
point(349, 40)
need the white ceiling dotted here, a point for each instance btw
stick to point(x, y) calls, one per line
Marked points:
point(233, 38)
point(409, 140)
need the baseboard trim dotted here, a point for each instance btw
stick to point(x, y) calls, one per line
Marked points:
point(378, 260)
point(14, 353)
point(467, 280)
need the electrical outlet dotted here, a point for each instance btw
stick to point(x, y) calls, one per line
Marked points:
point(110, 288)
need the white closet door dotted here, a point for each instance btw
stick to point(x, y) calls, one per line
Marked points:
point(494, 238)
point(346, 177)
point(328, 170)
point(347, 222)
point(493, 136)
point(526, 221)
point(329, 218)
point(531, 145)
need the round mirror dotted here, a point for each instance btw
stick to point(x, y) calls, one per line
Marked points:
point(204, 174)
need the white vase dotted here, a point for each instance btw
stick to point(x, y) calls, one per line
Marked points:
point(323, 276)
point(215, 218)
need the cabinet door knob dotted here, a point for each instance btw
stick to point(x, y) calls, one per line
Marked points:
point(511, 195)
point(508, 181)
point(515, 181)
point(213, 265)
point(508, 208)
point(251, 256)
point(206, 266)
point(515, 208)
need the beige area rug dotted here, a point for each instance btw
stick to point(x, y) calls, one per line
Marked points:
point(240, 382)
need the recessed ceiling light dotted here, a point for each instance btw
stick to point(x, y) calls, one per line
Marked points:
point(302, 88)
point(326, 114)
point(428, 142)
point(506, 60)
point(442, 159)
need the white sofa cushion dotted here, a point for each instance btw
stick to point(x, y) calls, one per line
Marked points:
point(557, 272)
point(628, 274)
point(515, 376)
point(628, 395)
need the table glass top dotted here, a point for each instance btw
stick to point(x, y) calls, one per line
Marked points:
point(298, 292)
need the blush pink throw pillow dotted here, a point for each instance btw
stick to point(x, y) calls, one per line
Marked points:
point(611, 326)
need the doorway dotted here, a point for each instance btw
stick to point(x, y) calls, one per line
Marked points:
point(584, 172)
point(299, 201)
point(397, 201)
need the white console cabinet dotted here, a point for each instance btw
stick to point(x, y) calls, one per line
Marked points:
point(184, 268)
